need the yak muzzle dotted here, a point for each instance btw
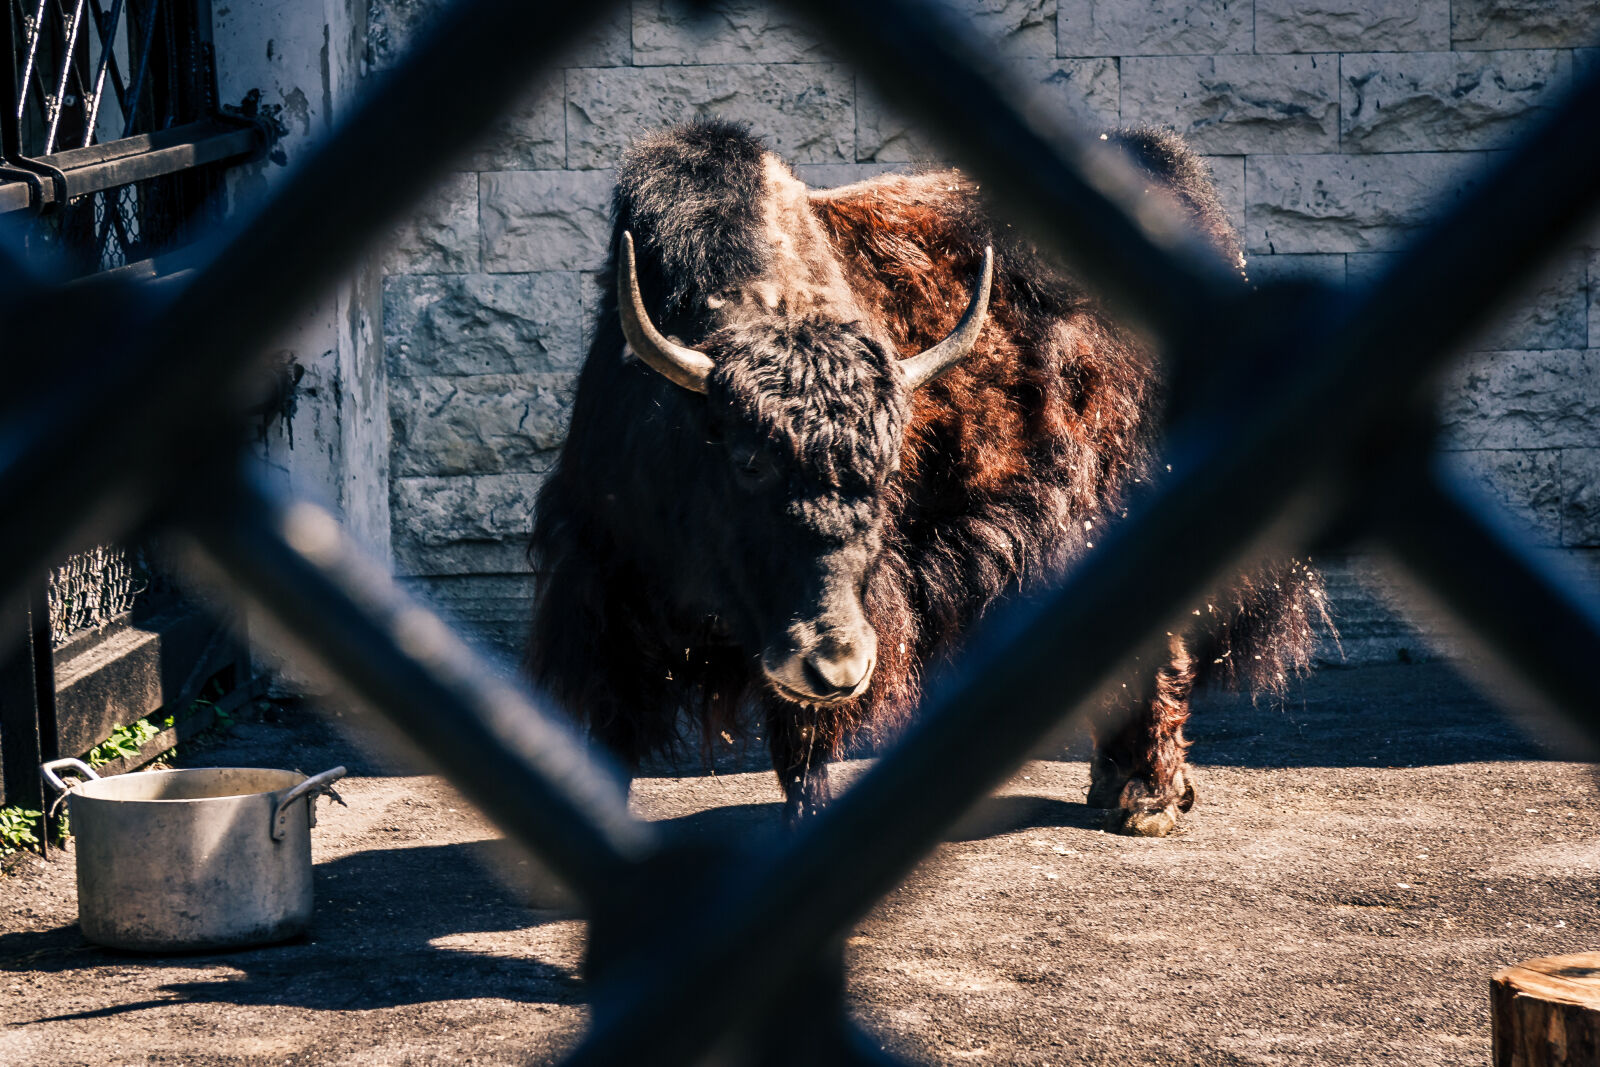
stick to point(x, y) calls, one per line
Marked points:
point(836, 668)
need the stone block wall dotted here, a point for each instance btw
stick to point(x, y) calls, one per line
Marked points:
point(1332, 130)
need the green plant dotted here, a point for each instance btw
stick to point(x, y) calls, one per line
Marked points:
point(16, 829)
point(124, 741)
point(222, 719)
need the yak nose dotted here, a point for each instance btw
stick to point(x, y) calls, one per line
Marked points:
point(838, 668)
point(834, 668)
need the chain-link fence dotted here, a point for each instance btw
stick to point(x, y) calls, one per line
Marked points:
point(1303, 421)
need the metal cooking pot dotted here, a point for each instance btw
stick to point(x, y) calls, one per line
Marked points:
point(213, 857)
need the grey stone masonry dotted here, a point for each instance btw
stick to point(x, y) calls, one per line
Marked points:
point(1594, 298)
point(1236, 104)
point(1349, 203)
point(1085, 90)
point(469, 324)
point(466, 524)
point(1352, 25)
point(1524, 400)
point(1152, 27)
point(1523, 23)
point(1435, 101)
point(804, 110)
point(536, 220)
point(1334, 130)
point(441, 235)
point(477, 424)
point(675, 34)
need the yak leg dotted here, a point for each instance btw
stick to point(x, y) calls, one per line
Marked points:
point(1138, 769)
point(800, 740)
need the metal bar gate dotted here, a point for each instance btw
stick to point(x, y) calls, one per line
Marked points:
point(104, 169)
point(1309, 425)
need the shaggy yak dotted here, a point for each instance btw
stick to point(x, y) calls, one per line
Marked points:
point(820, 432)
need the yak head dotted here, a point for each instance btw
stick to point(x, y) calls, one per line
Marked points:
point(802, 402)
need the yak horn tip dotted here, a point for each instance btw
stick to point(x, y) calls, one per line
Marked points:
point(677, 363)
point(924, 367)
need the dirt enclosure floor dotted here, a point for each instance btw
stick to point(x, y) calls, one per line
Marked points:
point(1358, 865)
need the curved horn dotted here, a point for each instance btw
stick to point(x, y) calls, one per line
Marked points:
point(679, 365)
point(924, 367)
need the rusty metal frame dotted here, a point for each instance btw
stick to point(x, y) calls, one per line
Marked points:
point(1306, 421)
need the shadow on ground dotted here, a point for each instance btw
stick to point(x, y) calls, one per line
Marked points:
point(380, 914)
point(1400, 715)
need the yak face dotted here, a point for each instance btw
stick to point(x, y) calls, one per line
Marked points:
point(804, 421)
point(804, 414)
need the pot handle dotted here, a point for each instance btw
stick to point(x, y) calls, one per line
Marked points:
point(48, 769)
point(77, 766)
point(321, 783)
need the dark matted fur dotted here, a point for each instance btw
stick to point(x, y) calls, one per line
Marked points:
point(1012, 463)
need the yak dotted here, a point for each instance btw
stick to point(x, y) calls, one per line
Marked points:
point(819, 433)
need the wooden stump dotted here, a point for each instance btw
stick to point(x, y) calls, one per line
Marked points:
point(1546, 1012)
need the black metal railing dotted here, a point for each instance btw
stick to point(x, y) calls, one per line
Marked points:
point(111, 146)
point(1305, 421)
point(81, 73)
point(108, 120)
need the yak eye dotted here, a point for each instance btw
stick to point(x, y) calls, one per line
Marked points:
point(753, 468)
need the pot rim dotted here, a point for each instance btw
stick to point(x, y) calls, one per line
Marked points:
point(76, 790)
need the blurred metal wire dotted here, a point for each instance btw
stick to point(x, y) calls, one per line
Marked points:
point(1310, 421)
point(92, 588)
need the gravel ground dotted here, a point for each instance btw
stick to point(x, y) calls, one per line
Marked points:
point(1358, 865)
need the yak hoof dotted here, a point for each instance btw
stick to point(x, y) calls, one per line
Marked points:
point(1157, 823)
point(1141, 812)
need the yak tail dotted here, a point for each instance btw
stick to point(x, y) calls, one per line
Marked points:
point(1262, 629)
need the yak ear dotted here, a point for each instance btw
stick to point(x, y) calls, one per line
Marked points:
point(924, 367)
point(683, 366)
